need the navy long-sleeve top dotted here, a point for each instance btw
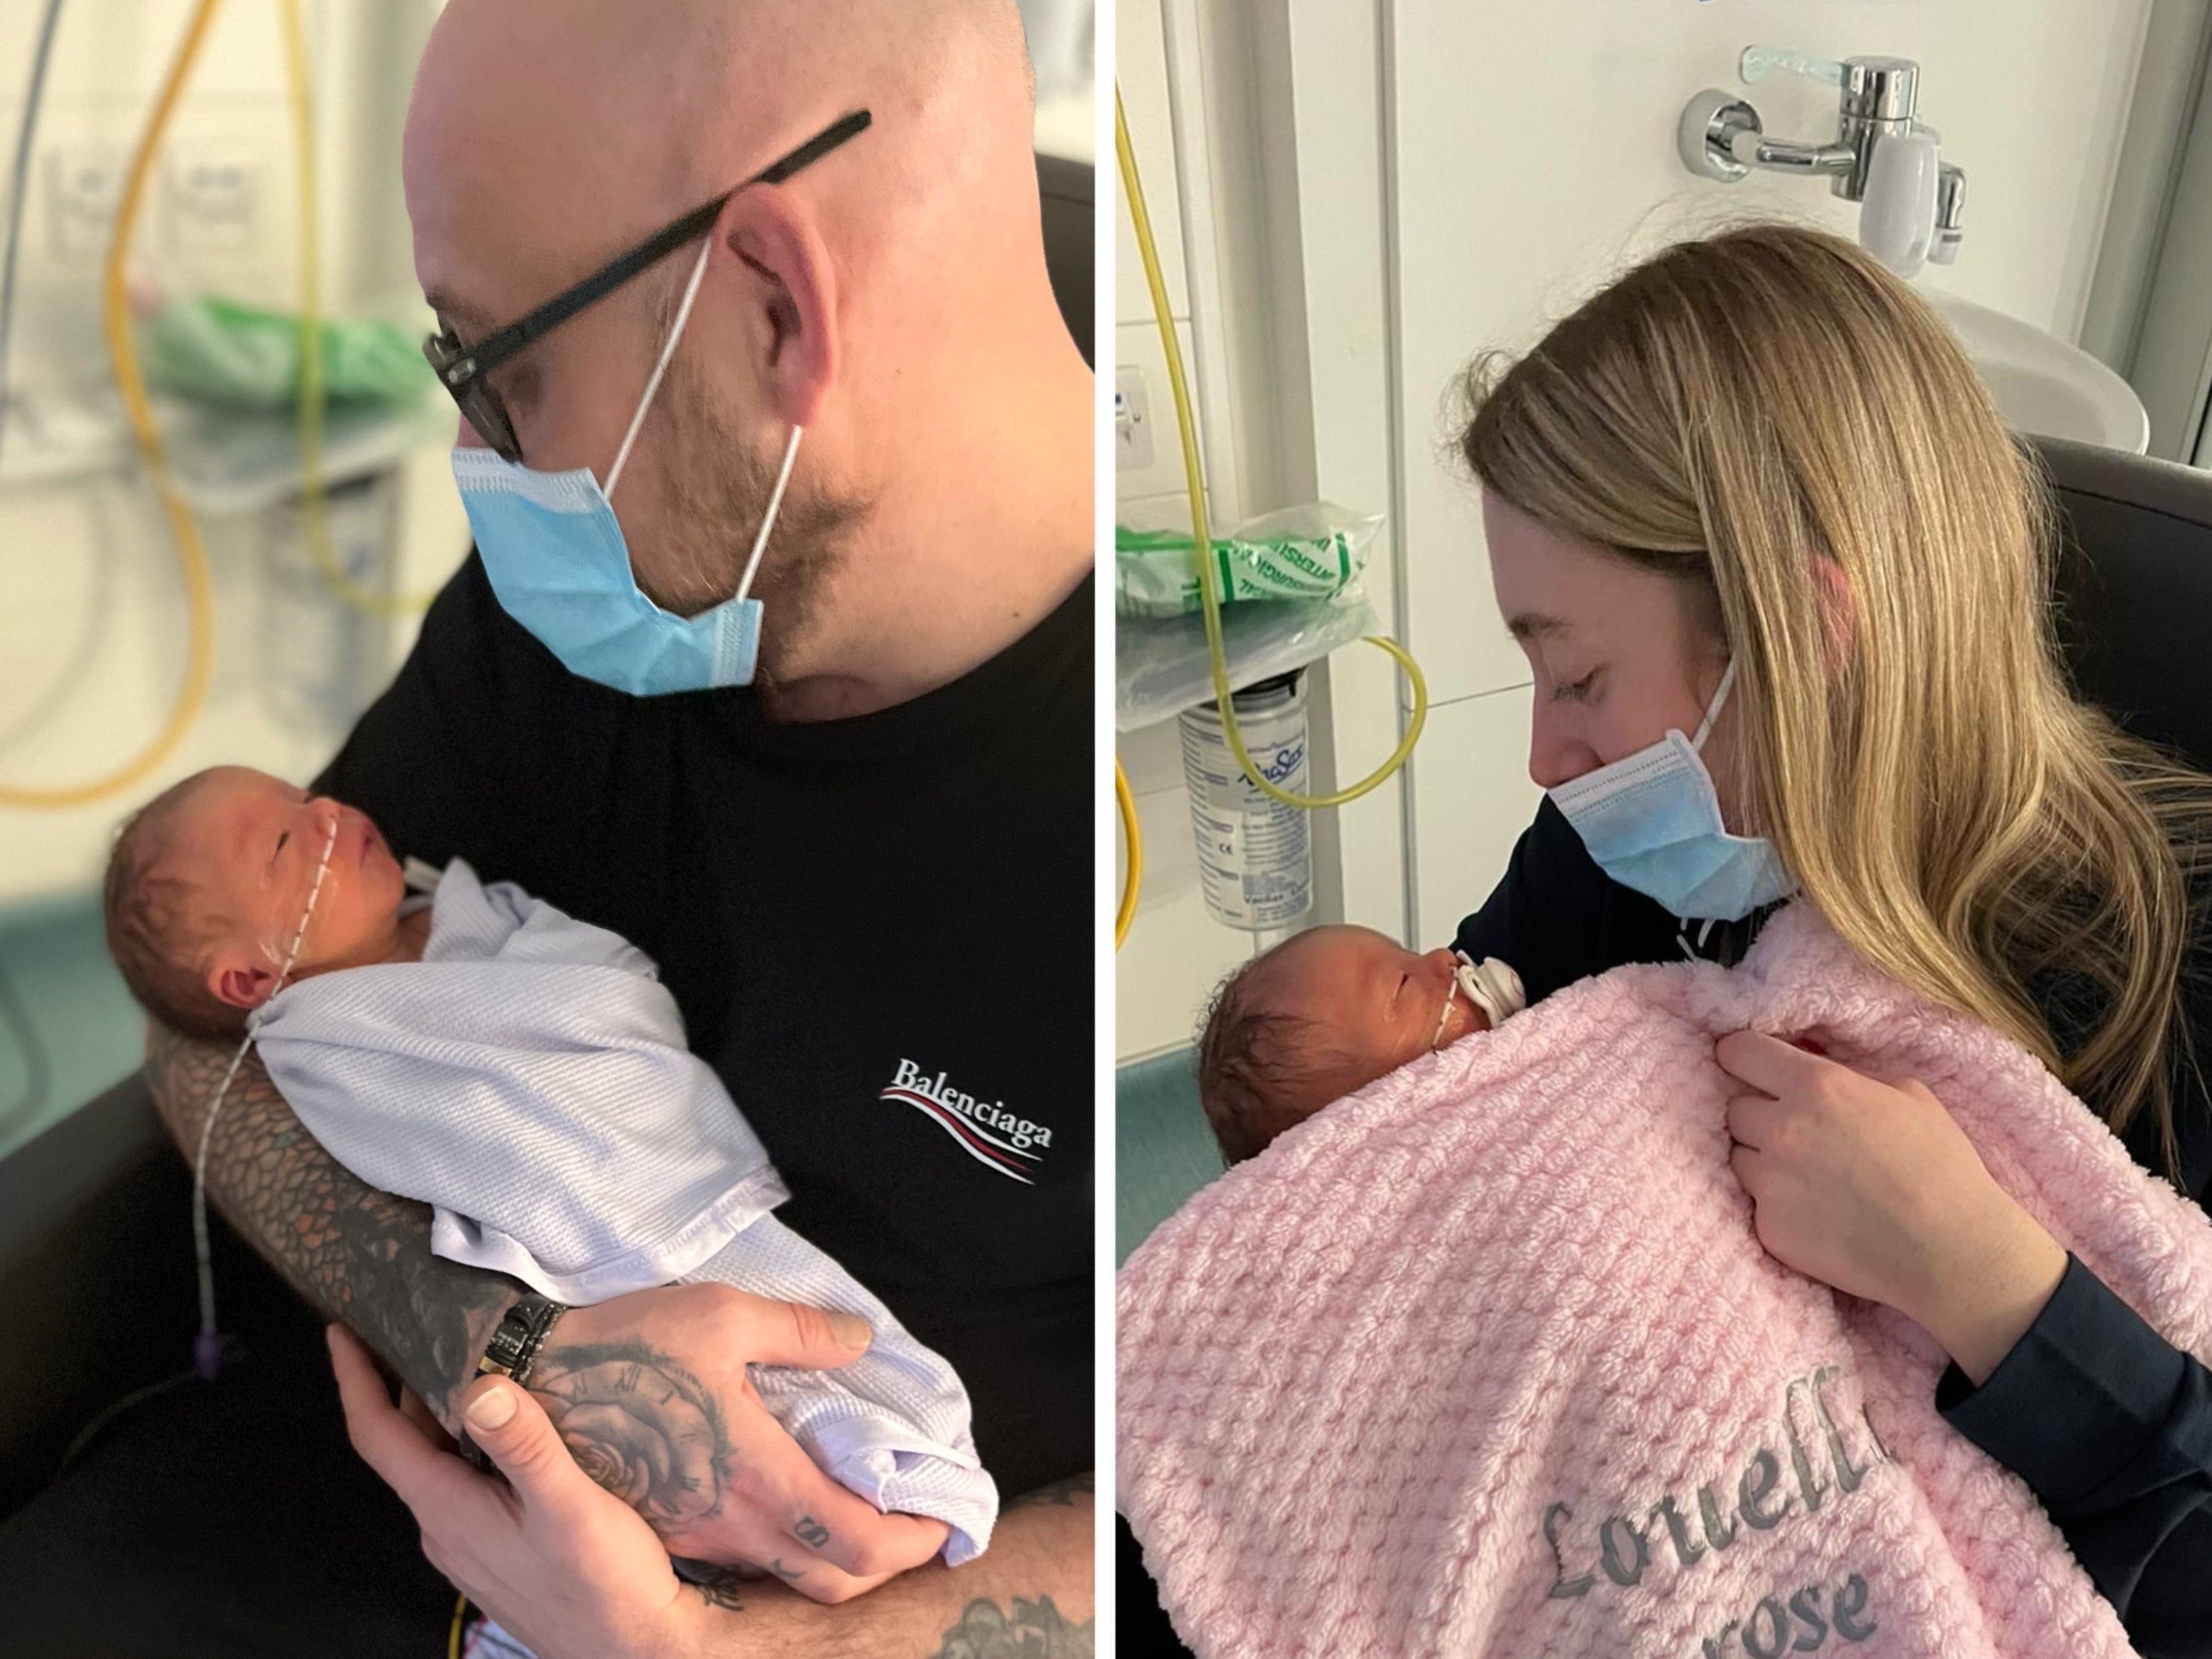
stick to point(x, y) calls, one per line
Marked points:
point(2108, 1424)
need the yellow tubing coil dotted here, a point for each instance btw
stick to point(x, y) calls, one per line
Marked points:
point(312, 516)
point(1210, 596)
point(191, 553)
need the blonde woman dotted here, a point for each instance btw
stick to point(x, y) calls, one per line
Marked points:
point(1753, 519)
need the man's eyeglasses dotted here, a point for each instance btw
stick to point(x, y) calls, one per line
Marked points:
point(464, 371)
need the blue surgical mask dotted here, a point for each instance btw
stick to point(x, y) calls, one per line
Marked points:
point(1652, 822)
point(554, 551)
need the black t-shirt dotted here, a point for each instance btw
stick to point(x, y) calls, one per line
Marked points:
point(874, 927)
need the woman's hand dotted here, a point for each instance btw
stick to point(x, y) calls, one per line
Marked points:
point(1873, 1189)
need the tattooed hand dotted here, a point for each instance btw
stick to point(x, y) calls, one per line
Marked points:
point(650, 1395)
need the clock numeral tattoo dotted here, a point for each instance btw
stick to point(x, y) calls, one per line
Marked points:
point(641, 1425)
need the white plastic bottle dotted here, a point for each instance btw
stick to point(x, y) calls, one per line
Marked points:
point(1254, 854)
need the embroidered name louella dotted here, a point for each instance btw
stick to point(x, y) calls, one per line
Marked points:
point(1760, 1498)
point(984, 1129)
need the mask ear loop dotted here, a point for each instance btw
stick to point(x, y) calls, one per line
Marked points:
point(767, 519)
point(1713, 710)
point(207, 1347)
point(667, 352)
point(652, 385)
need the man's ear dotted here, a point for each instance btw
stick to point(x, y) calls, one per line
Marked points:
point(792, 292)
point(1839, 624)
point(240, 983)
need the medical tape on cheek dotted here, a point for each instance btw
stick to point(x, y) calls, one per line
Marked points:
point(207, 1347)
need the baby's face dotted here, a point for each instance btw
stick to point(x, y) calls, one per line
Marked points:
point(249, 844)
point(1378, 1002)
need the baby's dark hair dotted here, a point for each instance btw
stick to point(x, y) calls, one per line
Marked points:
point(151, 932)
point(1261, 1070)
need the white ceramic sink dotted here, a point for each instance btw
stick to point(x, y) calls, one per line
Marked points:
point(2041, 384)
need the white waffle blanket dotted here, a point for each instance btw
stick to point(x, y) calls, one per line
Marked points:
point(528, 1078)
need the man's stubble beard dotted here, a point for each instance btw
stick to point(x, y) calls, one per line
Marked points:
point(718, 490)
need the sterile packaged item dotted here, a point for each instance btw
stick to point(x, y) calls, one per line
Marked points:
point(238, 356)
point(1311, 552)
point(1255, 853)
point(1161, 664)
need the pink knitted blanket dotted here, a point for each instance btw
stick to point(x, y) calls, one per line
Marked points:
point(1487, 1359)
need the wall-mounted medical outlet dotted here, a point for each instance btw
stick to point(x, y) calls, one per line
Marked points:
point(1132, 422)
point(84, 190)
point(212, 201)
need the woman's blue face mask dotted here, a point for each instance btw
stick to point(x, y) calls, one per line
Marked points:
point(554, 551)
point(1652, 822)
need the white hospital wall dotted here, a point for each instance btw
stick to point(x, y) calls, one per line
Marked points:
point(1534, 157)
point(1478, 169)
point(92, 629)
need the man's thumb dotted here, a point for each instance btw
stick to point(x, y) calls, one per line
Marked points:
point(516, 1435)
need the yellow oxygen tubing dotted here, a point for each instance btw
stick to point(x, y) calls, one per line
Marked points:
point(314, 516)
point(191, 552)
point(1135, 842)
point(1208, 581)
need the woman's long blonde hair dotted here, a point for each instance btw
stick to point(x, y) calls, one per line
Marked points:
point(1736, 410)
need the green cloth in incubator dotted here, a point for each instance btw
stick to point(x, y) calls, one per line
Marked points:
point(218, 351)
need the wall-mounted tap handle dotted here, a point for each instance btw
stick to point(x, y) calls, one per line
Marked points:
point(1897, 218)
point(1881, 89)
point(1757, 60)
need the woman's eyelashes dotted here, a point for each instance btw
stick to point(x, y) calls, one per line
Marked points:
point(1576, 690)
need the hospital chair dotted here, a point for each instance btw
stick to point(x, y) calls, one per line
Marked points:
point(99, 1301)
point(2134, 595)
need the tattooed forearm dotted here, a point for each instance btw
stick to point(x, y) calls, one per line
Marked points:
point(639, 1425)
point(1061, 1494)
point(359, 1256)
point(1034, 1630)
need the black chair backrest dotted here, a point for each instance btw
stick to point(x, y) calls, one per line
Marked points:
point(2135, 591)
point(1066, 189)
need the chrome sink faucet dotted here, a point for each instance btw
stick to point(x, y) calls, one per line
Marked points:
point(1912, 202)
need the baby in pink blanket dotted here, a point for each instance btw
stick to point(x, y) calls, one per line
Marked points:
point(1324, 1014)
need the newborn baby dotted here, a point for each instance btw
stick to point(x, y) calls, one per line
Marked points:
point(1326, 1012)
point(526, 1074)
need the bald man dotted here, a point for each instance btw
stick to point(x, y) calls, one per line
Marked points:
point(835, 778)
